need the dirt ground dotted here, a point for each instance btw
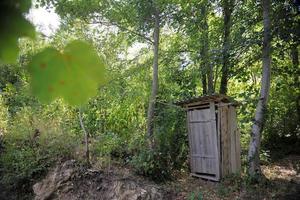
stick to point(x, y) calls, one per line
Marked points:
point(282, 182)
point(69, 181)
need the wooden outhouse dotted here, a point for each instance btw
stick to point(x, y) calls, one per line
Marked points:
point(214, 138)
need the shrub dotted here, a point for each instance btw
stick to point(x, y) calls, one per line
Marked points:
point(103, 146)
point(33, 142)
point(154, 164)
point(3, 117)
point(170, 151)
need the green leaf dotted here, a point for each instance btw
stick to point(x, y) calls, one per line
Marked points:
point(13, 25)
point(73, 75)
point(47, 68)
point(21, 5)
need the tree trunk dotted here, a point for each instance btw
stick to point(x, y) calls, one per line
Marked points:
point(211, 87)
point(261, 109)
point(204, 82)
point(86, 138)
point(206, 68)
point(227, 11)
point(152, 100)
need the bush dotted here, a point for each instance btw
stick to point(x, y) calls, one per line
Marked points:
point(154, 164)
point(103, 146)
point(170, 152)
point(33, 142)
point(3, 117)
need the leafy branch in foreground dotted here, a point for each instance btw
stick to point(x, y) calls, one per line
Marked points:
point(13, 25)
point(73, 74)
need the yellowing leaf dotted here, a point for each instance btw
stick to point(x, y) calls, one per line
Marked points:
point(73, 75)
point(47, 70)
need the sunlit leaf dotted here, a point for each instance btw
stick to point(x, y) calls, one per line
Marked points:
point(47, 69)
point(73, 75)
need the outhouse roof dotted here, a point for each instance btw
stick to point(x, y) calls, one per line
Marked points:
point(206, 99)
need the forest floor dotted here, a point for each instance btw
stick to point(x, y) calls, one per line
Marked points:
point(282, 182)
point(68, 180)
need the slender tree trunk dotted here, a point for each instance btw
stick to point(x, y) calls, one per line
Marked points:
point(86, 138)
point(152, 101)
point(204, 81)
point(227, 11)
point(206, 68)
point(211, 87)
point(261, 109)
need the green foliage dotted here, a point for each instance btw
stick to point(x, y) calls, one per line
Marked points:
point(115, 118)
point(73, 75)
point(13, 25)
point(53, 74)
point(105, 145)
point(265, 157)
point(16, 95)
point(170, 151)
point(4, 119)
point(9, 74)
point(230, 184)
point(34, 141)
point(196, 196)
point(153, 163)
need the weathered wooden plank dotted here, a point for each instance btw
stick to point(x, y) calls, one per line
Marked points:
point(200, 121)
point(205, 131)
point(214, 139)
point(238, 152)
point(203, 143)
point(232, 132)
point(238, 146)
point(203, 156)
point(188, 116)
point(219, 138)
point(202, 131)
point(224, 140)
point(214, 142)
point(198, 107)
point(197, 141)
point(221, 114)
point(212, 177)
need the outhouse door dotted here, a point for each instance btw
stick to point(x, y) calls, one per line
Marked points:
point(203, 141)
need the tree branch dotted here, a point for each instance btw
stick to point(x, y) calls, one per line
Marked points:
point(107, 23)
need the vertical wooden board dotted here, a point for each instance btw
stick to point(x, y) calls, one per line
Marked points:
point(229, 141)
point(232, 132)
point(207, 133)
point(237, 142)
point(203, 151)
point(203, 131)
point(224, 140)
point(207, 150)
point(190, 140)
point(221, 114)
point(238, 146)
point(203, 143)
point(220, 110)
point(219, 139)
point(238, 152)
point(214, 139)
point(197, 142)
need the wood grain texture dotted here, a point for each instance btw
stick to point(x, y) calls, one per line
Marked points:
point(214, 141)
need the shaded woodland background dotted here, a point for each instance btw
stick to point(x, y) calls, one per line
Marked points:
point(189, 48)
